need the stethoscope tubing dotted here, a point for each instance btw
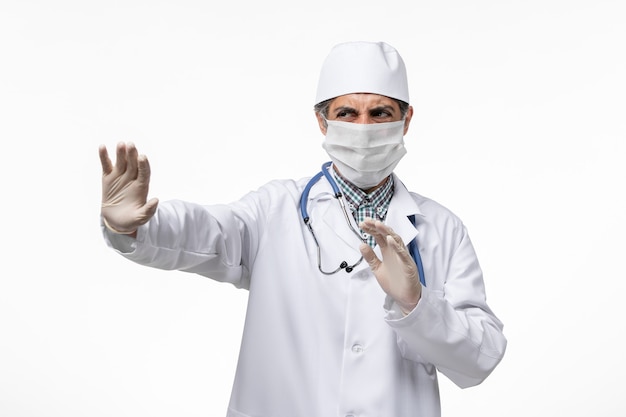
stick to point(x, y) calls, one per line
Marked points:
point(412, 247)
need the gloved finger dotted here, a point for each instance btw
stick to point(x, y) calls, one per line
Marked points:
point(394, 242)
point(379, 231)
point(369, 256)
point(376, 265)
point(120, 158)
point(373, 228)
point(105, 161)
point(131, 160)
point(143, 170)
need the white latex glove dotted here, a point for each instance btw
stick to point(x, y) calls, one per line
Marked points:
point(125, 190)
point(396, 273)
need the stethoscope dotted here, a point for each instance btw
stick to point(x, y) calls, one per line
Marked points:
point(413, 249)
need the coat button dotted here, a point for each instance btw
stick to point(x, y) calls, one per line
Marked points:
point(356, 348)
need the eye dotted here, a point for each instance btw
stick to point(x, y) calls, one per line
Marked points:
point(381, 114)
point(345, 114)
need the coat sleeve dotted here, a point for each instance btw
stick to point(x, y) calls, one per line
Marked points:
point(452, 326)
point(212, 241)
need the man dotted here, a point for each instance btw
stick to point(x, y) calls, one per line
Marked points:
point(326, 334)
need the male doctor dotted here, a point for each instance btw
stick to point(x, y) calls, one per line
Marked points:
point(327, 334)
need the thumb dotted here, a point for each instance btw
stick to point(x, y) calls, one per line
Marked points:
point(369, 256)
point(375, 265)
point(148, 210)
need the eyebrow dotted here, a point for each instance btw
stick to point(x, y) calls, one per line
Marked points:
point(386, 107)
point(372, 110)
point(344, 108)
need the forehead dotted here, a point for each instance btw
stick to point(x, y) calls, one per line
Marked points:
point(363, 101)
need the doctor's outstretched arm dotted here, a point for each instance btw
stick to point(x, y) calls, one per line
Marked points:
point(125, 190)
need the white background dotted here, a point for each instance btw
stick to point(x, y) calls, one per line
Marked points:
point(519, 128)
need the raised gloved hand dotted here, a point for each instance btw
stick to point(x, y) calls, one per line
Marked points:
point(396, 273)
point(125, 190)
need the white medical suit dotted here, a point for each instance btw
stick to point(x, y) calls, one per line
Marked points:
point(320, 346)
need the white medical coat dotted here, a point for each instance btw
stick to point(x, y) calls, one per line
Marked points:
point(316, 345)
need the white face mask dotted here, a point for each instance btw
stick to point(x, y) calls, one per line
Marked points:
point(365, 154)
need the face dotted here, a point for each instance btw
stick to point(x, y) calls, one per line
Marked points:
point(364, 108)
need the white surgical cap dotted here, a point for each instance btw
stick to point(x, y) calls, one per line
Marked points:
point(363, 67)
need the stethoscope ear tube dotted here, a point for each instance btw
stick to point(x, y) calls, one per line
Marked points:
point(305, 196)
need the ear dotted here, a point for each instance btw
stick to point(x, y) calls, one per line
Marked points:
point(322, 123)
point(407, 119)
